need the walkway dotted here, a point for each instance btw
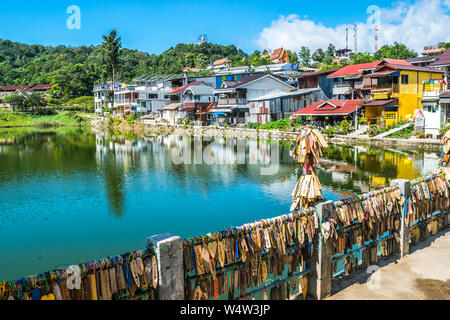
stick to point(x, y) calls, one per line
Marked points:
point(424, 275)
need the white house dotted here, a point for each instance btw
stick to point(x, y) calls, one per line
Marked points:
point(234, 96)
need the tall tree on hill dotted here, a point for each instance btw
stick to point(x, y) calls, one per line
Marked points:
point(318, 55)
point(293, 57)
point(395, 51)
point(111, 54)
point(331, 51)
point(305, 56)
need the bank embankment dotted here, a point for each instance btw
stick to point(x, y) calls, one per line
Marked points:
point(140, 128)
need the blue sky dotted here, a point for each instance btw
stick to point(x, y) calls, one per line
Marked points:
point(154, 26)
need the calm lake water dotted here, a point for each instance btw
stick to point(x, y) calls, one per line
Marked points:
point(72, 195)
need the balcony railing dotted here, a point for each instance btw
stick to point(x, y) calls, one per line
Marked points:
point(385, 88)
point(359, 85)
point(232, 101)
point(125, 101)
point(342, 85)
point(438, 86)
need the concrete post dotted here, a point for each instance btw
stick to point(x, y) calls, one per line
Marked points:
point(319, 278)
point(405, 189)
point(169, 253)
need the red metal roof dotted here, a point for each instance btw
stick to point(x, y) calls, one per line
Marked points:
point(14, 88)
point(182, 89)
point(331, 107)
point(42, 87)
point(220, 61)
point(358, 68)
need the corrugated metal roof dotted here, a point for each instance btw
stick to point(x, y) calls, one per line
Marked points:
point(386, 102)
point(200, 90)
point(172, 106)
point(330, 108)
point(443, 59)
point(279, 94)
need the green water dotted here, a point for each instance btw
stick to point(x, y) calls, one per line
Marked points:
point(72, 195)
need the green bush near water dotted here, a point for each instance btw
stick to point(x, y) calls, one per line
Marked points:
point(130, 119)
point(19, 119)
point(405, 134)
point(282, 124)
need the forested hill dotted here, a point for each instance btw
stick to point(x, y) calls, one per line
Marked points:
point(75, 70)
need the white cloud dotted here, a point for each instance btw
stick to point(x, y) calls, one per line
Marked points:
point(423, 22)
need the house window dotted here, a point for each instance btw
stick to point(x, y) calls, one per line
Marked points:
point(405, 79)
point(153, 96)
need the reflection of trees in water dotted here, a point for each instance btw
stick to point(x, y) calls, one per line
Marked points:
point(38, 151)
point(114, 183)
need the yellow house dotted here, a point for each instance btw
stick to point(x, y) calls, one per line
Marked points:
point(396, 92)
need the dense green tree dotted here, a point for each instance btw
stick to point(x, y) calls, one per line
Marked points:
point(328, 60)
point(318, 55)
point(14, 100)
point(293, 57)
point(85, 103)
point(73, 80)
point(361, 58)
point(331, 51)
point(35, 103)
point(395, 51)
point(305, 56)
point(32, 64)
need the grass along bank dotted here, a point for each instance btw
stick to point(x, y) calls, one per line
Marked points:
point(10, 119)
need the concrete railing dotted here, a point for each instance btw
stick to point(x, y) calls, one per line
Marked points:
point(170, 252)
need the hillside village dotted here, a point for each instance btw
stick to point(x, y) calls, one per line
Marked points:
point(381, 93)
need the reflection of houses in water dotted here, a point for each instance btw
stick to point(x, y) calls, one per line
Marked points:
point(219, 159)
point(124, 151)
point(361, 168)
point(426, 163)
point(219, 162)
point(340, 177)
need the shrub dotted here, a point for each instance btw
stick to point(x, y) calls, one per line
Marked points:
point(420, 135)
point(253, 125)
point(130, 119)
point(117, 121)
point(345, 126)
point(330, 131)
point(444, 128)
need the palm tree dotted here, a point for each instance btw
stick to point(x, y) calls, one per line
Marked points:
point(111, 53)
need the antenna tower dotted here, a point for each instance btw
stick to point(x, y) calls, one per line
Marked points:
point(346, 38)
